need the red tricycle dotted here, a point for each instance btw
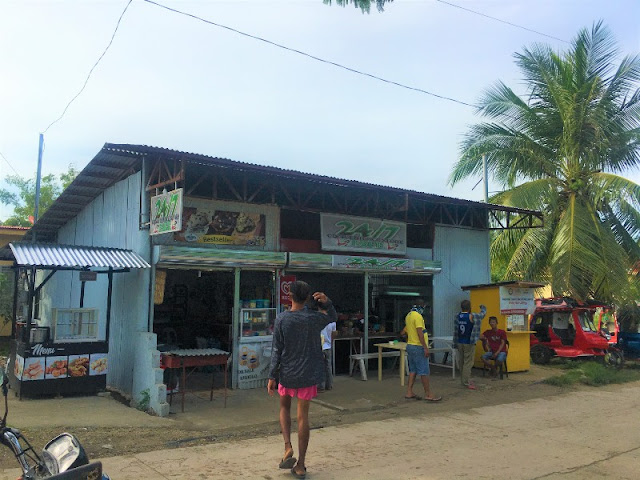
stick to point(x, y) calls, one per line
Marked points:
point(564, 328)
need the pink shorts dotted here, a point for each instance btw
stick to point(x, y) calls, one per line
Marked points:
point(305, 393)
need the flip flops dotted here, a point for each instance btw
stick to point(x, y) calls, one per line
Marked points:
point(415, 397)
point(432, 399)
point(288, 461)
point(299, 475)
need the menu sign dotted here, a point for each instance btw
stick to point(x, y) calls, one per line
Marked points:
point(514, 300)
point(166, 212)
point(222, 227)
point(356, 234)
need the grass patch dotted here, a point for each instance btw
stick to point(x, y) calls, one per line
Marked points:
point(592, 373)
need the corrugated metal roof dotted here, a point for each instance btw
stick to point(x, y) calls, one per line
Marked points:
point(115, 162)
point(74, 256)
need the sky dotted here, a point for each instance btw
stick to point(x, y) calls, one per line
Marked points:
point(171, 81)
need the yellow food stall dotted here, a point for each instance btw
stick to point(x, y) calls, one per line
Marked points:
point(511, 303)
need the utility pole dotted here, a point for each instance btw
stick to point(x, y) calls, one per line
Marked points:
point(38, 175)
point(485, 179)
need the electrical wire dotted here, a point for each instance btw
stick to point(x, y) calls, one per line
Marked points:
point(86, 81)
point(313, 57)
point(501, 21)
point(8, 163)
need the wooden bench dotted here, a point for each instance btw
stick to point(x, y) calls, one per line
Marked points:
point(358, 359)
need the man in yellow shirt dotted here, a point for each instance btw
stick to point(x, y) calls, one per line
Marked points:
point(418, 352)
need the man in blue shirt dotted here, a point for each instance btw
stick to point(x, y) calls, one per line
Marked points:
point(465, 335)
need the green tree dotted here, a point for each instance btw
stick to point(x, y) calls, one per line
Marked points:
point(364, 5)
point(561, 149)
point(23, 201)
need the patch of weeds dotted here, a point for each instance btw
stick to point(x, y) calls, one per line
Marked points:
point(145, 400)
point(593, 374)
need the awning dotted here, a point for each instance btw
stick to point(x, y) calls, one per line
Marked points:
point(74, 256)
point(216, 257)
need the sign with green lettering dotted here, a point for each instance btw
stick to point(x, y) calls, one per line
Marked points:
point(356, 234)
point(166, 212)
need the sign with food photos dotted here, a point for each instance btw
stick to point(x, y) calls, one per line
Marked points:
point(60, 366)
point(207, 225)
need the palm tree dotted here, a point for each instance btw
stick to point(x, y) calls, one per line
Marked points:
point(561, 149)
point(364, 5)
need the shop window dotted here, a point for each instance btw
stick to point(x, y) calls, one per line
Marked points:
point(420, 236)
point(75, 324)
point(299, 225)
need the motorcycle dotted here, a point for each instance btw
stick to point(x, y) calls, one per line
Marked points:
point(63, 458)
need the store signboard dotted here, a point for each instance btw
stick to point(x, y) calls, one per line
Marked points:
point(166, 212)
point(212, 226)
point(515, 300)
point(357, 234)
point(372, 263)
point(319, 261)
point(285, 289)
point(88, 276)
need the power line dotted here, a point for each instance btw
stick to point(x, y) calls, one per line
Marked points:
point(313, 57)
point(501, 21)
point(86, 81)
point(8, 163)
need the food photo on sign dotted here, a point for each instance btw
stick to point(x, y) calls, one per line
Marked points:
point(33, 369)
point(205, 225)
point(98, 364)
point(78, 365)
point(56, 367)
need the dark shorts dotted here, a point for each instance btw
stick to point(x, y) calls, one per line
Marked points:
point(418, 363)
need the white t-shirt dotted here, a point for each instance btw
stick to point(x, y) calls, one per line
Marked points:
point(326, 334)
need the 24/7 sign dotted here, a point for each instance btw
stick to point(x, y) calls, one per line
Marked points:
point(356, 234)
point(166, 212)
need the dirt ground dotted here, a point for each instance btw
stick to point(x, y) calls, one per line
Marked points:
point(351, 401)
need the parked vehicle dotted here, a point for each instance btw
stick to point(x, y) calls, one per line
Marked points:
point(629, 341)
point(63, 458)
point(563, 328)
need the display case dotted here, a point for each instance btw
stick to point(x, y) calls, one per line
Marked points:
point(256, 322)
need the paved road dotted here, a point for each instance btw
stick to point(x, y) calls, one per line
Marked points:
point(587, 434)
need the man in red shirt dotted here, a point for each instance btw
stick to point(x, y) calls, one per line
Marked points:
point(494, 342)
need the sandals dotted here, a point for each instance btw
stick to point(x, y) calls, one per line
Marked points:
point(415, 397)
point(433, 399)
point(288, 461)
point(298, 475)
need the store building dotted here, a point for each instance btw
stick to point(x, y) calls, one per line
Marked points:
point(226, 239)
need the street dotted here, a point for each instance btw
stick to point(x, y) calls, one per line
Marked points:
point(592, 433)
